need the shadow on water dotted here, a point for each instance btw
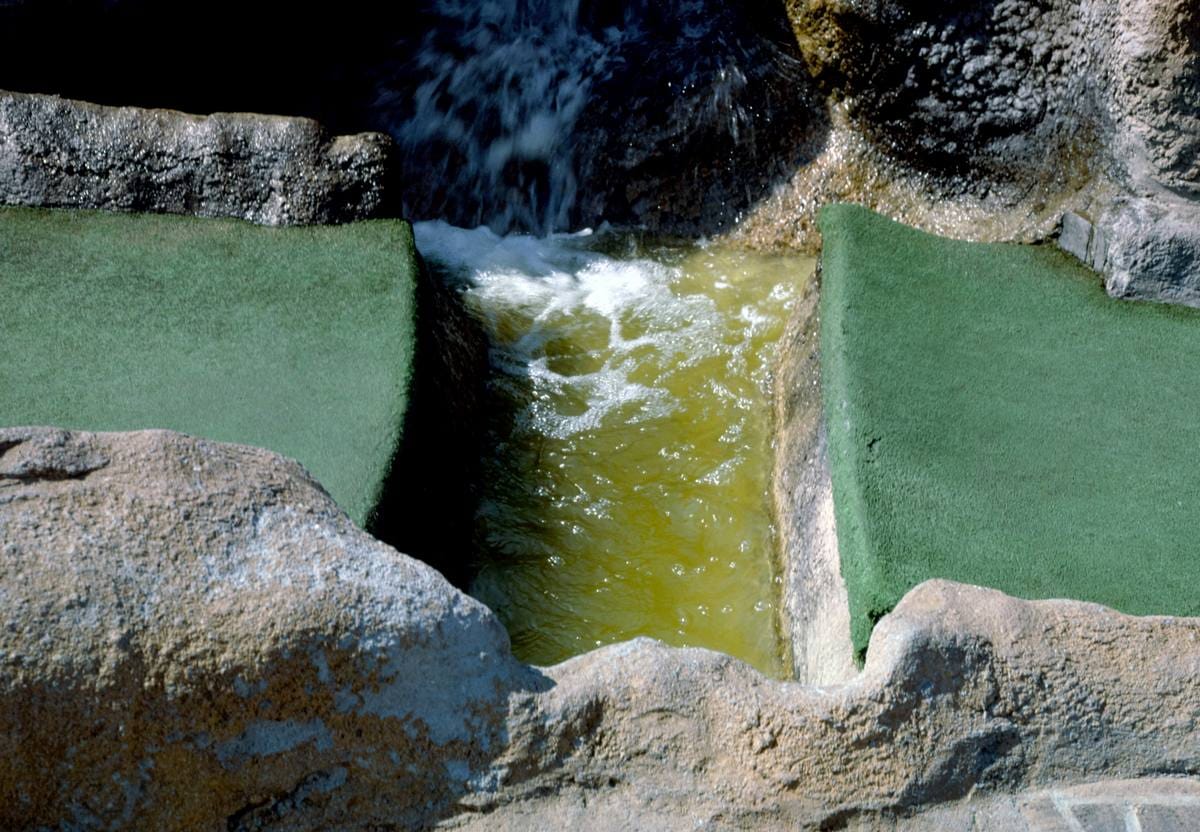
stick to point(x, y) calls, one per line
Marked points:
point(427, 507)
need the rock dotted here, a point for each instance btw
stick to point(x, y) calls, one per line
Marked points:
point(195, 638)
point(1076, 235)
point(266, 169)
point(989, 122)
point(966, 695)
point(1149, 248)
point(1146, 248)
point(1015, 90)
point(814, 610)
point(1152, 804)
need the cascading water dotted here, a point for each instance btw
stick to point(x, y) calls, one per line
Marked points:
point(626, 476)
point(547, 115)
point(503, 83)
point(625, 481)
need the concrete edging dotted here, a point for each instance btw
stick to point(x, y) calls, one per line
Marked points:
point(814, 613)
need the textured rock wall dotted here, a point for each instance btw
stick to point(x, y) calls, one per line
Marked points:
point(194, 637)
point(266, 169)
point(989, 121)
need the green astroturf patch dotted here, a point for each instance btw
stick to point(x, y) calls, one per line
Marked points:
point(295, 339)
point(994, 418)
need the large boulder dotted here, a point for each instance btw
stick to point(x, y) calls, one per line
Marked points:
point(195, 638)
point(271, 170)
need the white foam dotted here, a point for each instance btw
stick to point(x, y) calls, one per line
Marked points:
point(554, 283)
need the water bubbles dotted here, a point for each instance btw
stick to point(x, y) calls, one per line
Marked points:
point(622, 480)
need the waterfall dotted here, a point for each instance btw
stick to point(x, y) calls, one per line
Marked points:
point(543, 116)
point(503, 83)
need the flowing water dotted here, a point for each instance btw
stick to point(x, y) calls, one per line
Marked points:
point(544, 115)
point(626, 483)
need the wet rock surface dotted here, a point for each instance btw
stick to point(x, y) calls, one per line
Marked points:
point(814, 608)
point(196, 638)
point(271, 170)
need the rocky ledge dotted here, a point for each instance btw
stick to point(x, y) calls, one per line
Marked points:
point(195, 637)
point(271, 170)
point(991, 121)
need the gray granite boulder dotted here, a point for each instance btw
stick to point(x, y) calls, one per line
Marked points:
point(271, 170)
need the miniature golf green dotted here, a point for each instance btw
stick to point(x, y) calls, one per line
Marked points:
point(299, 340)
point(994, 418)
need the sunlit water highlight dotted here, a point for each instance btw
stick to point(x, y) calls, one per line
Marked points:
point(626, 482)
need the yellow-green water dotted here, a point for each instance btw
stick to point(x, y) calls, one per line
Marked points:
point(626, 486)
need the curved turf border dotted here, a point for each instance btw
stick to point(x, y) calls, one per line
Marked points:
point(994, 418)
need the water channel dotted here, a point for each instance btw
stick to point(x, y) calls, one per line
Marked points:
point(627, 472)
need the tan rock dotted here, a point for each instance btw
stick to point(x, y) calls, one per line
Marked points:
point(195, 638)
point(814, 608)
point(193, 633)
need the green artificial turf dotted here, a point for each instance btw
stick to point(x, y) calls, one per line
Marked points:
point(299, 340)
point(994, 418)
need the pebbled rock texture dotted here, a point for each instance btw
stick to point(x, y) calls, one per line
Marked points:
point(271, 170)
point(195, 638)
point(989, 121)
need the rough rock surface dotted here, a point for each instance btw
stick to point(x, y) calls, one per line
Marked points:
point(1146, 248)
point(271, 170)
point(814, 608)
point(195, 638)
point(989, 121)
point(1153, 804)
point(194, 635)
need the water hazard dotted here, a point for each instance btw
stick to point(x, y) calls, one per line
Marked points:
point(627, 473)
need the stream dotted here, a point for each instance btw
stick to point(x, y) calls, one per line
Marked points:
point(626, 481)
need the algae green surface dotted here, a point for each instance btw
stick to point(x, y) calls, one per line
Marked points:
point(299, 339)
point(996, 419)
